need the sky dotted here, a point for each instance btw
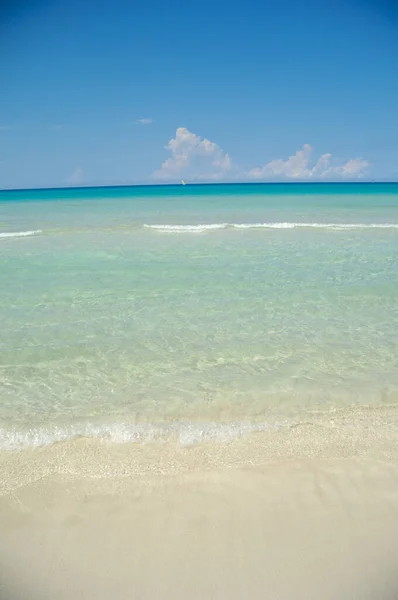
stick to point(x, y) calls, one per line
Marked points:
point(120, 92)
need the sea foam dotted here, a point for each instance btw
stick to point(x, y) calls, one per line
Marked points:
point(202, 228)
point(187, 433)
point(14, 234)
point(187, 228)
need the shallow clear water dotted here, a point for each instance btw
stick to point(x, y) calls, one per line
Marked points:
point(126, 307)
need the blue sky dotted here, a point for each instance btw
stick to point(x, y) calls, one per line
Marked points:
point(238, 88)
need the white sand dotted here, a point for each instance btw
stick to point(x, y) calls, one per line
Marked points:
point(306, 514)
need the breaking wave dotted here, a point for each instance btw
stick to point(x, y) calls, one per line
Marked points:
point(278, 225)
point(187, 228)
point(14, 234)
point(186, 433)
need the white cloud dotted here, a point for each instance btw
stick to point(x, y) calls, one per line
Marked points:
point(144, 121)
point(300, 166)
point(355, 167)
point(77, 176)
point(194, 158)
point(198, 159)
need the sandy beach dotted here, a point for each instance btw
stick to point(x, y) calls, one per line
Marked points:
point(310, 512)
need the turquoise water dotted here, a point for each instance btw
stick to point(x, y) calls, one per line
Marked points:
point(129, 311)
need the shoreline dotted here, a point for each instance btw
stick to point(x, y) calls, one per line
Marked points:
point(300, 513)
point(355, 433)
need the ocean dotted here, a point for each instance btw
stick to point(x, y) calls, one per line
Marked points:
point(199, 392)
point(205, 311)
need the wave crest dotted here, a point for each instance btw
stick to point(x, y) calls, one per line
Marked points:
point(276, 225)
point(187, 433)
point(186, 228)
point(14, 234)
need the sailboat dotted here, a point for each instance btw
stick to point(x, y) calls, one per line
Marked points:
point(183, 182)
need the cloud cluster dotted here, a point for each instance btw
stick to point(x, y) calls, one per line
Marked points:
point(195, 158)
point(300, 166)
point(198, 159)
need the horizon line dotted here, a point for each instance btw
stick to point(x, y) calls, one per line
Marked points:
point(195, 184)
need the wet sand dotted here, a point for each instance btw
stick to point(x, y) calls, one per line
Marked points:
point(306, 513)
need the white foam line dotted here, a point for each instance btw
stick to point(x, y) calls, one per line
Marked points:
point(288, 225)
point(13, 234)
point(186, 228)
point(276, 225)
point(122, 433)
